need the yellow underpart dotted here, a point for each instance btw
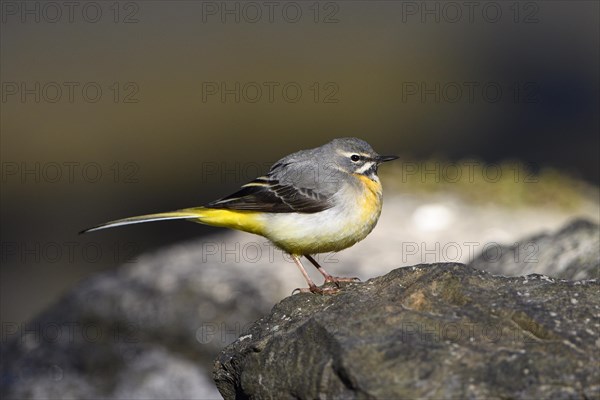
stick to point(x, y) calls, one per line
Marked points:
point(247, 221)
point(349, 221)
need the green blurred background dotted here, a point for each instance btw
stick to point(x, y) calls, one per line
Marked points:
point(171, 129)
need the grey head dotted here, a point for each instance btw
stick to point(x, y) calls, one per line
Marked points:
point(355, 156)
point(327, 166)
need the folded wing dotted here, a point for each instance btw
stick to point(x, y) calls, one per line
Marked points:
point(267, 194)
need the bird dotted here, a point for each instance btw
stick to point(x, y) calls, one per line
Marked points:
point(318, 200)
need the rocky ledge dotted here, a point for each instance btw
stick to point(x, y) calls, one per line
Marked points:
point(151, 329)
point(429, 331)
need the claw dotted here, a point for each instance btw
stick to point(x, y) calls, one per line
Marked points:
point(300, 290)
point(317, 290)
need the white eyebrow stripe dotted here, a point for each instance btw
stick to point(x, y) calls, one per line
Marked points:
point(350, 153)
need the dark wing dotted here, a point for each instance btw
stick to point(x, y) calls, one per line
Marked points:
point(269, 195)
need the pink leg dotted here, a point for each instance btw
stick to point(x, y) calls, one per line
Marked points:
point(326, 275)
point(311, 285)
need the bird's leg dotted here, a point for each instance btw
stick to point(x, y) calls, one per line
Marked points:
point(328, 278)
point(311, 285)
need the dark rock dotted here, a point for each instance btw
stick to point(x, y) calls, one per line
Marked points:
point(430, 331)
point(152, 328)
point(148, 330)
point(571, 253)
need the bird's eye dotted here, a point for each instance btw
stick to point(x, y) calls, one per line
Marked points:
point(355, 157)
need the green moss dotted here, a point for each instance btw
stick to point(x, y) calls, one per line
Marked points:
point(508, 183)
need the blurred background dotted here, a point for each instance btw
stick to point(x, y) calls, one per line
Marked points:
point(113, 109)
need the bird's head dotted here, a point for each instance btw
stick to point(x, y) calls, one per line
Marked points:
point(355, 156)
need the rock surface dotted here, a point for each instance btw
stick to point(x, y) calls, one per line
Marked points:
point(152, 328)
point(149, 330)
point(571, 253)
point(430, 331)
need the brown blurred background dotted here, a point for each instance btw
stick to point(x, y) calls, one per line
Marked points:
point(112, 109)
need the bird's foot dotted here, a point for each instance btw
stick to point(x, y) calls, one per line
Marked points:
point(336, 280)
point(317, 290)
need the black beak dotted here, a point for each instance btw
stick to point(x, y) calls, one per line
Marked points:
point(382, 159)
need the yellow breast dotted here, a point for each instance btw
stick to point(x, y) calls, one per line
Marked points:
point(370, 203)
point(371, 197)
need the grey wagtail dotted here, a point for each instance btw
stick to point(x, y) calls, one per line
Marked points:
point(313, 201)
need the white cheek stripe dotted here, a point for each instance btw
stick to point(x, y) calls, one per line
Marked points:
point(365, 167)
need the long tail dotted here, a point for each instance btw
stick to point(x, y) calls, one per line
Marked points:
point(188, 213)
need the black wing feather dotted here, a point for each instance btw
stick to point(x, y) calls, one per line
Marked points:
point(270, 195)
